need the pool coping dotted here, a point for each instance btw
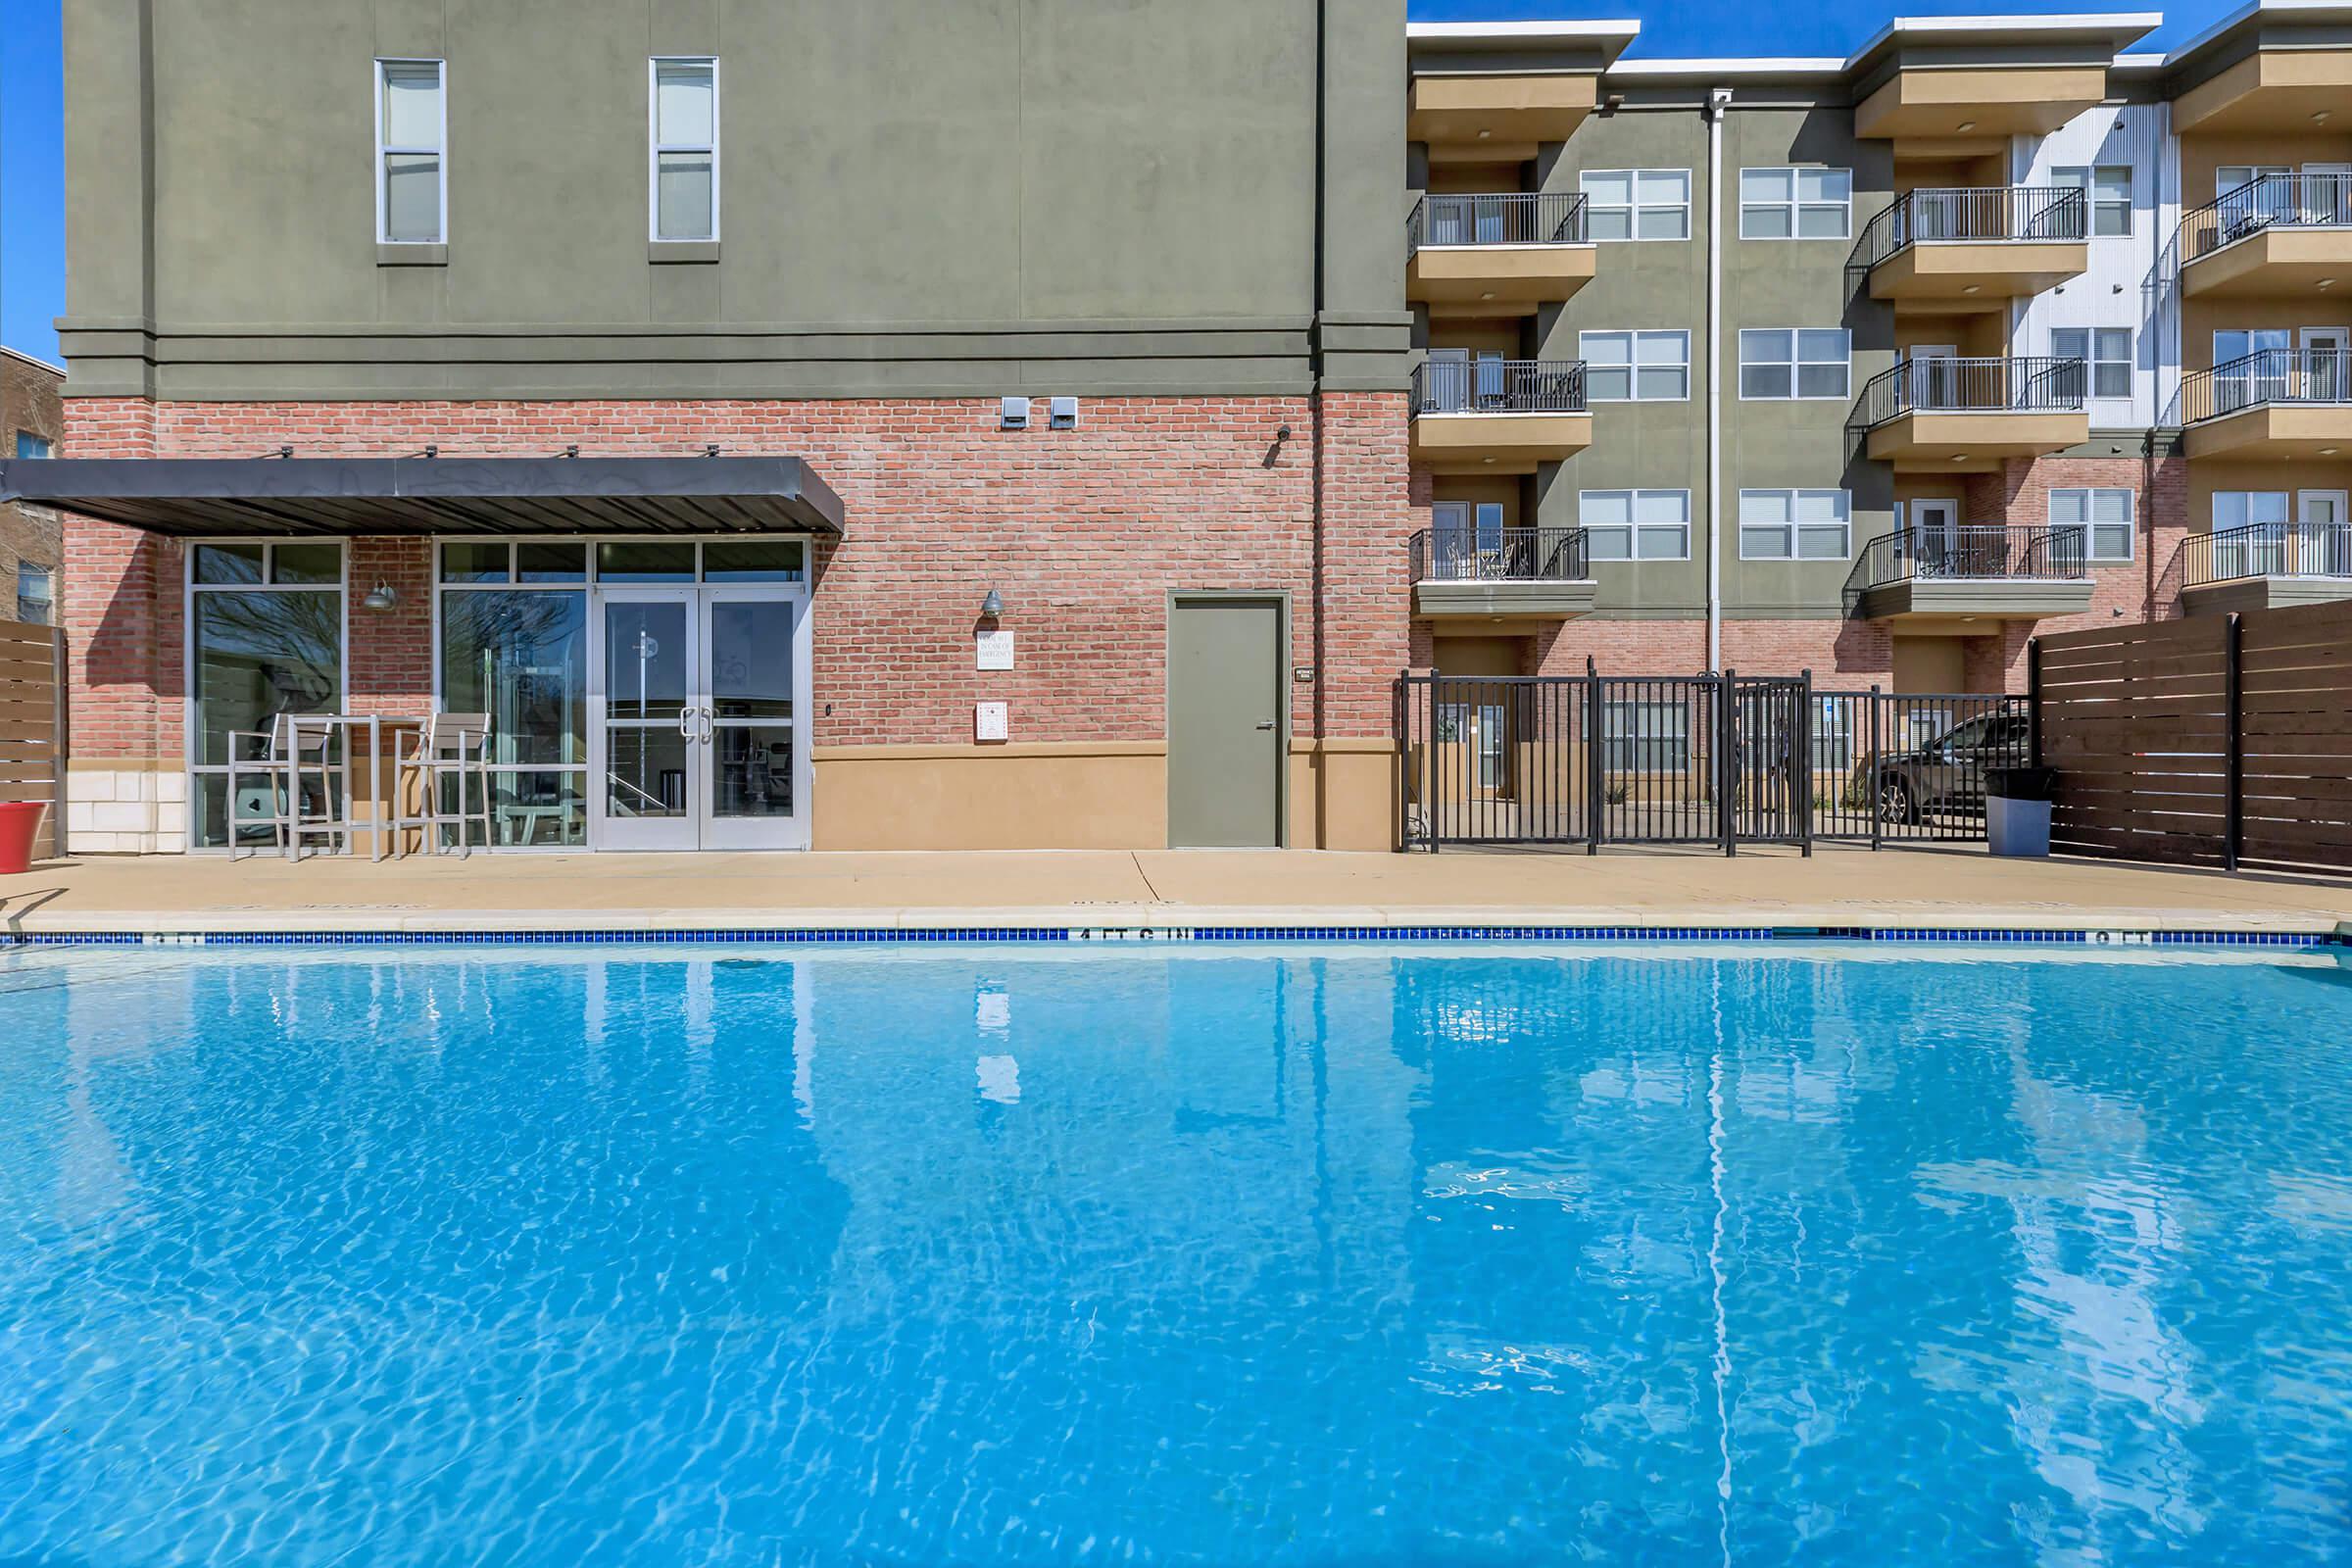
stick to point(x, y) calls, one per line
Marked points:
point(384, 928)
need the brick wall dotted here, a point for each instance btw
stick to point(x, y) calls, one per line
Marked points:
point(1082, 533)
point(29, 401)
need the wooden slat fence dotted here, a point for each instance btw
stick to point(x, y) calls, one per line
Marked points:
point(2217, 741)
point(32, 724)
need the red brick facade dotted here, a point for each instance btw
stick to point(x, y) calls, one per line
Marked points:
point(1084, 534)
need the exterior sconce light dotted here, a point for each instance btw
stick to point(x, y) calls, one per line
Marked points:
point(992, 606)
point(383, 596)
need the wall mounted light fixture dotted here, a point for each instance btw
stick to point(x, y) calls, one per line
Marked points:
point(383, 596)
point(992, 606)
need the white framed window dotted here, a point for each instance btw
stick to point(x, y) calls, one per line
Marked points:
point(1625, 367)
point(411, 151)
point(1634, 524)
point(34, 594)
point(2107, 187)
point(1796, 524)
point(682, 136)
point(2237, 508)
point(1796, 363)
point(1630, 204)
point(2107, 349)
point(2232, 176)
point(2102, 516)
point(1645, 737)
point(1797, 203)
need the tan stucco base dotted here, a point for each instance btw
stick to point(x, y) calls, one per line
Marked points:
point(1108, 795)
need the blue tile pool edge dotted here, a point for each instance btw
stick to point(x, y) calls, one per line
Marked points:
point(868, 936)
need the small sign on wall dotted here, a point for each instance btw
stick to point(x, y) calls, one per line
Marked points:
point(992, 721)
point(993, 649)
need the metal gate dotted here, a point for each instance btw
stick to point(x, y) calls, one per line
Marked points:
point(1912, 766)
point(1567, 760)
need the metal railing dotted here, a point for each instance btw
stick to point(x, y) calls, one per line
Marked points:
point(2272, 200)
point(1974, 551)
point(2267, 549)
point(1545, 217)
point(1500, 386)
point(1951, 385)
point(1973, 213)
point(1500, 554)
point(2320, 374)
point(1893, 767)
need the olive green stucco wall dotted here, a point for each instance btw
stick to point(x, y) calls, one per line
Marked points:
point(1086, 196)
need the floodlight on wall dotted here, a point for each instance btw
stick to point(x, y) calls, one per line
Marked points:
point(383, 596)
point(992, 606)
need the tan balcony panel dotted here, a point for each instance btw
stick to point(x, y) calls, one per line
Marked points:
point(1494, 118)
point(1509, 600)
point(1961, 109)
point(1498, 443)
point(1968, 605)
point(1974, 442)
point(2280, 262)
point(1495, 279)
point(2315, 431)
point(1958, 277)
point(2271, 92)
point(2242, 593)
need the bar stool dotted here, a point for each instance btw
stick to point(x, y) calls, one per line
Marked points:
point(450, 747)
point(297, 751)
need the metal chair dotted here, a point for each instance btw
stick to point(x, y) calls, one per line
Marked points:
point(450, 748)
point(297, 751)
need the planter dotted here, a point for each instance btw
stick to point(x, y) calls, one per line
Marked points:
point(20, 824)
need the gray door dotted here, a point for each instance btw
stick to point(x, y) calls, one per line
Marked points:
point(1226, 745)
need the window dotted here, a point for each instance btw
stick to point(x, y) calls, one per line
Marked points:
point(2238, 509)
point(1637, 203)
point(1638, 737)
point(2107, 187)
point(2107, 348)
point(30, 444)
point(412, 123)
point(1795, 524)
point(264, 630)
point(1795, 203)
point(685, 149)
point(1794, 362)
point(33, 594)
point(1457, 548)
point(1635, 524)
point(1635, 366)
point(2103, 517)
point(2232, 176)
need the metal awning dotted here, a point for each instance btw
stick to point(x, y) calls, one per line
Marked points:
point(335, 497)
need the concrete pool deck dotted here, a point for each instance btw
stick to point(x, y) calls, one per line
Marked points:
point(1959, 888)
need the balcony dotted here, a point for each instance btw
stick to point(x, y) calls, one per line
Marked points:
point(2266, 566)
point(2274, 403)
point(1962, 416)
point(1949, 251)
point(1976, 109)
point(2280, 237)
point(1496, 117)
point(1502, 255)
point(1946, 578)
point(1498, 416)
point(1502, 573)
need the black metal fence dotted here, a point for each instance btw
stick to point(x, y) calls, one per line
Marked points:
point(1971, 552)
point(2319, 374)
point(2267, 549)
point(1545, 217)
point(1708, 760)
point(1471, 554)
point(1942, 384)
point(1500, 386)
point(2269, 201)
point(1973, 213)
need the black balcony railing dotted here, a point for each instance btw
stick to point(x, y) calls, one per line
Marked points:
point(1463, 554)
point(2272, 201)
point(1500, 386)
point(1977, 213)
point(1940, 385)
point(2317, 374)
point(2267, 549)
point(1974, 551)
point(1547, 217)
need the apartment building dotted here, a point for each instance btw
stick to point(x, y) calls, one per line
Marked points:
point(1035, 423)
point(32, 537)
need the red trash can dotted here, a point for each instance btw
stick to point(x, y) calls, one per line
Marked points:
point(20, 821)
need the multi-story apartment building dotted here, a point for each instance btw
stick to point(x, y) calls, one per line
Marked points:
point(1040, 422)
point(32, 537)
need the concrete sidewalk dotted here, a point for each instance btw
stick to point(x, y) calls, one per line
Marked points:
point(1157, 889)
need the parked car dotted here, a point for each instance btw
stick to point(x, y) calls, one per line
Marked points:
point(1945, 776)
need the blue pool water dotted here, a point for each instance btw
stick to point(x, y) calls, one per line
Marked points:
point(1174, 1255)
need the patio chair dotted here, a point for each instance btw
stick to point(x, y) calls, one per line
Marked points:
point(450, 748)
point(296, 754)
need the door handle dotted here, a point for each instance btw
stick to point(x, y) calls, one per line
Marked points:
point(686, 724)
point(707, 726)
point(1265, 724)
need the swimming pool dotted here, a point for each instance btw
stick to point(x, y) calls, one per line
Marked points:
point(1174, 1255)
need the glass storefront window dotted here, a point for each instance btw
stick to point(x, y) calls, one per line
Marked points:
point(645, 561)
point(464, 560)
point(558, 563)
point(266, 630)
point(521, 657)
point(752, 561)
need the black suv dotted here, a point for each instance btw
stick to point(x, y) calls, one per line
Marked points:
point(1945, 776)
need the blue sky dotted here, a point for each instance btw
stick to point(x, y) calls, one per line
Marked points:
point(32, 247)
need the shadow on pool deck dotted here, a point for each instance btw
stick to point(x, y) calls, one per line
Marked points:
point(1837, 885)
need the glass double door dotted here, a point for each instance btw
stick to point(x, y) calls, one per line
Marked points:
point(699, 705)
